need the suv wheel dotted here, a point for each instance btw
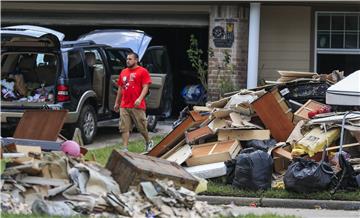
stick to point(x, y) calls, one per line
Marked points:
point(151, 122)
point(87, 123)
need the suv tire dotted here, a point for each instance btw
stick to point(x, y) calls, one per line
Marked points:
point(87, 123)
point(151, 122)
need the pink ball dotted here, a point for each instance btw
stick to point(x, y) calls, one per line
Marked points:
point(71, 148)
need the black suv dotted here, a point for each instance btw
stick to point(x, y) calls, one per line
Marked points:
point(40, 70)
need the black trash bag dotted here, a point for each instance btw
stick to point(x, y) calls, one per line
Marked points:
point(230, 171)
point(253, 170)
point(261, 144)
point(306, 176)
point(346, 178)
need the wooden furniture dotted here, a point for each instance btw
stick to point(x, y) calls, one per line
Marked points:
point(213, 152)
point(177, 134)
point(273, 117)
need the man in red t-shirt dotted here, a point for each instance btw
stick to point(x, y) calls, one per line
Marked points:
point(133, 84)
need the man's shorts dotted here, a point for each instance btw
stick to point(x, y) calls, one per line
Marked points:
point(129, 115)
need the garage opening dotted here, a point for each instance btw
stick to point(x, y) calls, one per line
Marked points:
point(177, 41)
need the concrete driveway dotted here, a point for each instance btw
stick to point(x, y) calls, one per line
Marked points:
point(107, 136)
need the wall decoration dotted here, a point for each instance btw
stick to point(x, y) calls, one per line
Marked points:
point(223, 33)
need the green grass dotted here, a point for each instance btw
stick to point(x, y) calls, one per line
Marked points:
point(102, 154)
point(218, 189)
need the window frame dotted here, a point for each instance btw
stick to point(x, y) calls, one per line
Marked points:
point(345, 51)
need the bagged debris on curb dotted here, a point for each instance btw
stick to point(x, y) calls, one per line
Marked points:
point(253, 170)
point(307, 176)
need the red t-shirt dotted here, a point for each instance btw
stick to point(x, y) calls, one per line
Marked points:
point(131, 81)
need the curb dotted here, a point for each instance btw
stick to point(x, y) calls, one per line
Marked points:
point(283, 203)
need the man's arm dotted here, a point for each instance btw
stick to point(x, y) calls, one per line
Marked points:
point(117, 100)
point(143, 93)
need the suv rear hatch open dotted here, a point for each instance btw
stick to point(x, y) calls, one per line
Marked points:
point(30, 60)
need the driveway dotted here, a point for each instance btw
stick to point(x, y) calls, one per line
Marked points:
point(107, 136)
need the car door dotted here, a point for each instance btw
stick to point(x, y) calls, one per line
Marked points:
point(116, 59)
point(159, 101)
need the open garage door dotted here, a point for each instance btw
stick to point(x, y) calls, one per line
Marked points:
point(104, 14)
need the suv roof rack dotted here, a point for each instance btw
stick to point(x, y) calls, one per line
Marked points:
point(68, 44)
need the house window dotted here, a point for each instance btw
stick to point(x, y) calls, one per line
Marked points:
point(337, 42)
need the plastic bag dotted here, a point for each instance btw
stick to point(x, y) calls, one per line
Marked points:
point(306, 176)
point(193, 93)
point(261, 144)
point(253, 170)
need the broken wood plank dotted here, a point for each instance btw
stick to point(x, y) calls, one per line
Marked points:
point(213, 152)
point(201, 109)
point(344, 146)
point(198, 134)
point(216, 124)
point(175, 136)
point(40, 124)
point(129, 169)
point(242, 135)
point(283, 153)
point(273, 117)
point(43, 181)
point(45, 145)
point(302, 112)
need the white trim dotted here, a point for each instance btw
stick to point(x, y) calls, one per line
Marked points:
point(337, 51)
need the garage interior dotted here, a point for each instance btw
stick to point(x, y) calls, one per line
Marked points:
point(168, 25)
point(176, 40)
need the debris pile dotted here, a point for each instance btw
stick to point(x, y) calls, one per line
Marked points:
point(264, 130)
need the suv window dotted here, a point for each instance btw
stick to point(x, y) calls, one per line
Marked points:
point(117, 60)
point(76, 66)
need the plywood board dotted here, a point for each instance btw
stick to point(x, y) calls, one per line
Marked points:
point(213, 152)
point(242, 135)
point(40, 124)
point(180, 155)
point(273, 117)
point(174, 149)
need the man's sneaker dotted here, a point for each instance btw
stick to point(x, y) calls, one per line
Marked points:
point(149, 145)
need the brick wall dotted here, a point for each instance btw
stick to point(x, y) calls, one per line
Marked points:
point(222, 16)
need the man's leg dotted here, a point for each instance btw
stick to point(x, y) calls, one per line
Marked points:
point(140, 120)
point(124, 126)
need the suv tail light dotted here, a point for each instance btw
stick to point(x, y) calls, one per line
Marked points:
point(62, 93)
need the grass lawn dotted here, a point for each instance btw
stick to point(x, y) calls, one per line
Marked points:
point(218, 189)
point(102, 154)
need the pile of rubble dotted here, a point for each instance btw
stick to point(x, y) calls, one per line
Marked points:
point(58, 184)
